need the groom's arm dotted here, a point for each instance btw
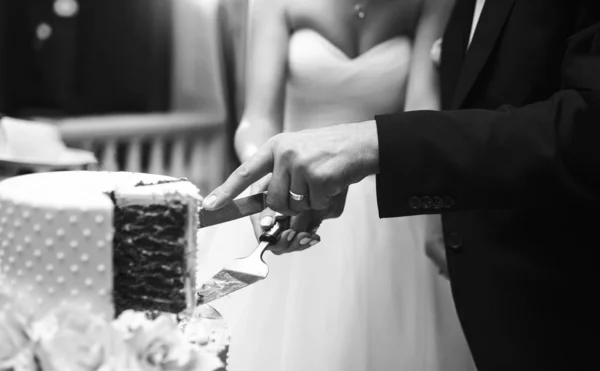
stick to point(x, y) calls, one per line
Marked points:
point(537, 156)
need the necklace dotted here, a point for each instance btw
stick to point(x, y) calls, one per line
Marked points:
point(360, 10)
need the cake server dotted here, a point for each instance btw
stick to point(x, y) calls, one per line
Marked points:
point(243, 272)
point(236, 209)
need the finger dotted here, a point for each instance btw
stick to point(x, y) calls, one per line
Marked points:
point(319, 198)
point(267, 219)
point(313, 229)
point(303, 241)
point(302, 221)
point(298, 187)
point(295, 242)
point(261, 185)
point(249, 172)
point(307, 221)
point(283, 245)
point(313, 240)
point(277, 194)
point(263, 221)
point(337, 206)
point(260, 221)
point(334, 210)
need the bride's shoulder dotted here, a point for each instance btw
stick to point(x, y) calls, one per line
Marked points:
point(268, 11)
point(274, 5)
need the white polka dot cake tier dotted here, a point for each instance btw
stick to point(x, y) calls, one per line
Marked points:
point(108, 241)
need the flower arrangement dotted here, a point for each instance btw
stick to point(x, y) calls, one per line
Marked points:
point(73, 339)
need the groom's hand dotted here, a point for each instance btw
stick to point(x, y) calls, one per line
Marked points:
point(315, 165)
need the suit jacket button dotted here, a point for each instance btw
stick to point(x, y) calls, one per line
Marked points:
point(454, 240)
point(427, 202)
point(438, 203)
point(414, 203)
point(448, 202)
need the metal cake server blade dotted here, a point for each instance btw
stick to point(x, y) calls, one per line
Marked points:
point(236, 209)
point(243, 272)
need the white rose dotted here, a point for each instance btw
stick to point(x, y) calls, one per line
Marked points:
point(14, 340)
point(75, 340)
point(129, 321)
point(160, 346)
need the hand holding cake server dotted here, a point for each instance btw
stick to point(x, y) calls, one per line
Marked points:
point(310, 168)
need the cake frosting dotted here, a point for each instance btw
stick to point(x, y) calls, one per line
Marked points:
point(110, 241)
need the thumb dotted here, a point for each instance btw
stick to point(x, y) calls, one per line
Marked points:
point(266, 219)
point(263, 221)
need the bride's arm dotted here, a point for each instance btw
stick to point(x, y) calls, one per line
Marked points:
point(423, 94)
point(266, 76)
point(423, 85)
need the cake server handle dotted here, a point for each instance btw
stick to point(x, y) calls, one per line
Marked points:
point(282, 223)
point(270, 237)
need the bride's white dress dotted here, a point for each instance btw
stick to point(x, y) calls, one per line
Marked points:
point(366, 297)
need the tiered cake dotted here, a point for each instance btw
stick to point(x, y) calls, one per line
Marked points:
point(109, 241)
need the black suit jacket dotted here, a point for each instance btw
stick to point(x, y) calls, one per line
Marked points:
point(513, 165)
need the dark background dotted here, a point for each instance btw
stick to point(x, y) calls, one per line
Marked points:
point(113, 56)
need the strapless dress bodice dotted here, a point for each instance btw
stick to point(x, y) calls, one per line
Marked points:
point(326, 87)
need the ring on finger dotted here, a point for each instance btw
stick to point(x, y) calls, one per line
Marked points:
point(297, 197)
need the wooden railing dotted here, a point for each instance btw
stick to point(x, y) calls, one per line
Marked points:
point(190, 145)
point(188, 142)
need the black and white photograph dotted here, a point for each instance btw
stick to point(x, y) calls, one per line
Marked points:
point(299, 185)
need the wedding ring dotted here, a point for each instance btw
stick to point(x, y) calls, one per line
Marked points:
point(296, 197)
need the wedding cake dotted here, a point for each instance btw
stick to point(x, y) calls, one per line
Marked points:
point(97, 273)
point(109, 241)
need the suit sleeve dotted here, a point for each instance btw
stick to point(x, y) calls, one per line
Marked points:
point(537, 156)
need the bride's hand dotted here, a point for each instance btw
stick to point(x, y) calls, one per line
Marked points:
point(301, 234)
point(303, 227)
point(434, 244)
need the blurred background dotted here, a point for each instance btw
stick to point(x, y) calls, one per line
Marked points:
point(147, 85)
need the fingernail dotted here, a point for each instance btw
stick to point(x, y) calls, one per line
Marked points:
point(210, 201)
point(267, 221)
point(291, 235)
point(304, 241)
point(314, 242)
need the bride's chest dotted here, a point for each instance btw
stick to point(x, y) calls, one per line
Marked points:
point(311, 56)
point(355, 26)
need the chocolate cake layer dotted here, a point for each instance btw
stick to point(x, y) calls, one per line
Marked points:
point(149, 257)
